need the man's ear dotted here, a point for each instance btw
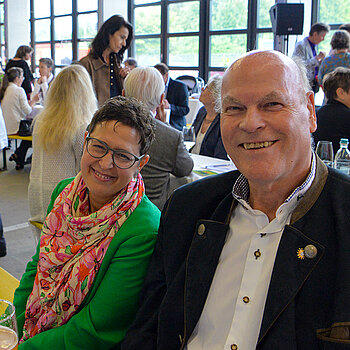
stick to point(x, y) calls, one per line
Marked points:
point(162, 98)
point(310, 101)
point(339, 93)
point(123, 93)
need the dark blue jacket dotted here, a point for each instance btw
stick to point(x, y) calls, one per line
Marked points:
point(177, 96)
point(212, 145)
point(306, 298)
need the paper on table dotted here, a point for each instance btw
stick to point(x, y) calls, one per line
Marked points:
point(219, 168)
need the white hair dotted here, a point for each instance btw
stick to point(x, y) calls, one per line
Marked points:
point(214, 86)
point(145, 84)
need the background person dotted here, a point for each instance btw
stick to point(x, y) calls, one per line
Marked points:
point(333, 119)
point(176, 98)
point(15, 107)
point(130, 63)
point(105, 57)
point(250, 259)
point(307, 51)
point(81, 291)
point(207, 121)
point(58, 137)
point(42, 84)
point(168, 154)
point(23, 54)
point(340, 56)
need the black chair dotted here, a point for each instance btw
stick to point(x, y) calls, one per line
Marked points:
point(190, 81)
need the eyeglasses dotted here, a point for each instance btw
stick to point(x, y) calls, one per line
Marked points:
point(121, 159)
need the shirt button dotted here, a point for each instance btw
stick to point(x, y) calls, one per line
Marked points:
point(257, 254)
point(246, 299)
point(111, 83)
point(201, 229)
point(234, 347)
point(112, 70)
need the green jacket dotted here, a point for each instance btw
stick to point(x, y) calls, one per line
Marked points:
point(111, 304)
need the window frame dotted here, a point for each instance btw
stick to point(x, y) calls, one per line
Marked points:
point(52, 42)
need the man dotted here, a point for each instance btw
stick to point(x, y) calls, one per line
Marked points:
point(168, 154)
point(42, 84)
point(176, 100)
point(333, 119)
point(307, 51)
point(257, 258)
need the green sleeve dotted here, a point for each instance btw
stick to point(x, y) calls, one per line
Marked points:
point(103, 322)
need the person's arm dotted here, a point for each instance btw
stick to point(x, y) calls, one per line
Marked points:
point(23, 102)
point(184, 162)
point(181, 107)
point(102, 323)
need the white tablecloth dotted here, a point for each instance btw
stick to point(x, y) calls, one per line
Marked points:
point(194, 105)
point(203, 167)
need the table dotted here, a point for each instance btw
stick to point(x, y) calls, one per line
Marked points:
point(194, 105)
point(203, 167)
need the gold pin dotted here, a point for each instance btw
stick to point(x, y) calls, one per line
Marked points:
point(310, 251)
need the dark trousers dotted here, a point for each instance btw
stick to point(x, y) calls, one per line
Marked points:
point(21, 151)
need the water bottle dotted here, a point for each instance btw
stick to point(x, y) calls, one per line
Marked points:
point(342, 157)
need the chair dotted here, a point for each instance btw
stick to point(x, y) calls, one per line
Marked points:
point(8, 284)
point(190, 81)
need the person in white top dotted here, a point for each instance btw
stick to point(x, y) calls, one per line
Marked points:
point(256, 258)
point(15, 107)
point(58, 136)
point(42, 84)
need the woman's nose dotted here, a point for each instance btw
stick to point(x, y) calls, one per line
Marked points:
point(106, 162)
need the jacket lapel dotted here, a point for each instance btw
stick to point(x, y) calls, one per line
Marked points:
point(289, 274)
point(202, 260)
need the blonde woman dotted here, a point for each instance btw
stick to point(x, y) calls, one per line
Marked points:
point(58, 136)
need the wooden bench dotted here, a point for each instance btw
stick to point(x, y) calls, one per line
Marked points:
point(14, 137)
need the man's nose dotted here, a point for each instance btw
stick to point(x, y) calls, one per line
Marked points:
point(252, 121)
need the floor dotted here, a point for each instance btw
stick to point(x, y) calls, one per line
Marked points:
point(14, 211)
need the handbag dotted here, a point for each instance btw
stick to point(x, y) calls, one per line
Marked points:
point(25, 127)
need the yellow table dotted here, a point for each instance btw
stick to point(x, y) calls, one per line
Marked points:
point(8, 284)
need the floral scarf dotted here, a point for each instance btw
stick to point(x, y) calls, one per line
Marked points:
point(72, 246)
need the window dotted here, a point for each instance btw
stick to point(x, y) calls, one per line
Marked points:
point(63, 29)
point(198, 37)
point(334, 13)
point(3, 52)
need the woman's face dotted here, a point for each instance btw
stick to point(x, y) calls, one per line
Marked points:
point(118, 40)
point(27, 56)
point(103, 179)
point(206, 96)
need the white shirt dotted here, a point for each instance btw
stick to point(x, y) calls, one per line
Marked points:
point(43, 87)
point(235, 304)
point(14, 107)
point(3, 132)
point(199, 140)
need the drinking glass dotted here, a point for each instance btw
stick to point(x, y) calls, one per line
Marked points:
point(324, 150)
point(189, 137)
point(8, 326)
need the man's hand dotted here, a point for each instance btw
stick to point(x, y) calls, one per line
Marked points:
point(34, 100)
point(321, 56)
point(166, 104)
point(160, 112)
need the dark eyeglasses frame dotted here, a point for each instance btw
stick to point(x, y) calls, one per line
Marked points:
point(136, 158)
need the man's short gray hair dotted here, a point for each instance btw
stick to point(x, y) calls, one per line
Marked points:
point(145, 84)
point(302, 73)
point(214, 86)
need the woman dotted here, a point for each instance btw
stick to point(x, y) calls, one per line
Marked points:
point(106, 55)
point(58, 136)
point(82, 288)
point(15, 107)
point(42, 84)
point(23, 54)
point(340, 58)
point(207, 122)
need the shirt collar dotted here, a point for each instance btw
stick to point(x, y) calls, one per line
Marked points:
point(240, 189)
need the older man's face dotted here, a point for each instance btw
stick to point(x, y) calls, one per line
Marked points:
point(266, 120)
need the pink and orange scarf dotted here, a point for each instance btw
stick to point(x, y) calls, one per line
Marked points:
point(72, 247)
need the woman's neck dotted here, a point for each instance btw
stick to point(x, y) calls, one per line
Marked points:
point(106, 54)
